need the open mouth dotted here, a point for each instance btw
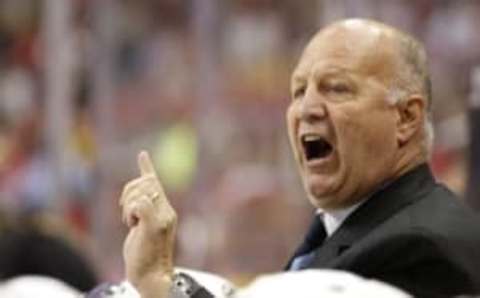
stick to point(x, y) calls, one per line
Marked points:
point(316, 147)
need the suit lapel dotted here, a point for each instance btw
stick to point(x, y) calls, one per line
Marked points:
point(380, 206)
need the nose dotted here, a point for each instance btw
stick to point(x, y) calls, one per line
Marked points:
point(312, 107)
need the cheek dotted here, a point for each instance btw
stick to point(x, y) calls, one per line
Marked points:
point(365, 135)
point(292, 120)
point(347, 126)
point(292, 126)
point(290, 116)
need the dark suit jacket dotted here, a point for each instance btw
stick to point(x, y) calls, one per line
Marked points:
point(473, 189)
point(414, 234)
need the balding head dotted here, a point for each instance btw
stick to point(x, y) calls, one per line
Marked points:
point(401, 60)
point(407, 54)
point(361, 93)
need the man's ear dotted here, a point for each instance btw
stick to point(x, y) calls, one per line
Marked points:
point(411, 113)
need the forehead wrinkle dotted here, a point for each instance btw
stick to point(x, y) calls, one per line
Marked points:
point(331, 66)
point(356, 46)
point(314, 62)
point(330, 69)
point(301, 76)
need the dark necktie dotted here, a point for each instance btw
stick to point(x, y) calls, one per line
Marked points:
point(305, 254)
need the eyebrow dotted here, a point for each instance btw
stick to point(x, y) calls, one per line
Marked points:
point(297, 79)
point(329, 71)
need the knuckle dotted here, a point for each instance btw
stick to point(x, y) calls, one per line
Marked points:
point(128, 209)
point(129, 198)
point(144, 205)
point(150, 177)
point(130, 184)
point(129, 187)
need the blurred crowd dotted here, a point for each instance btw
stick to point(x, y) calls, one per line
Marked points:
point(202, 85)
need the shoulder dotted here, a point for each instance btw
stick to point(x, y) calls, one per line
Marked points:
point(439, 218)
point(438, 224)
point(438, 230)
point(441, 215)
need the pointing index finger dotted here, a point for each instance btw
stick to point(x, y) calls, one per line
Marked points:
point(145, 164)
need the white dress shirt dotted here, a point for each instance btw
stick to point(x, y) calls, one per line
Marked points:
point(333, 219)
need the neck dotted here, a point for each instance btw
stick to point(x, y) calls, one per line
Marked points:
point(409, 158)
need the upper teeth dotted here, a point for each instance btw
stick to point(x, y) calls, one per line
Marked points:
point(311, 138)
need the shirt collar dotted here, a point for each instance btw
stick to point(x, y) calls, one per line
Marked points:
point(333, 219)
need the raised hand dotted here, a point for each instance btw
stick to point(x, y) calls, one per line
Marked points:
point(148, 248)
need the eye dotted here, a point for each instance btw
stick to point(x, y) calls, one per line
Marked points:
point(338, 88)
point(299, 92)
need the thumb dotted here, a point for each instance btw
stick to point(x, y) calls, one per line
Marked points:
point(145, 164)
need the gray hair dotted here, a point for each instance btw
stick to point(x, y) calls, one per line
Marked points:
point(414, 77)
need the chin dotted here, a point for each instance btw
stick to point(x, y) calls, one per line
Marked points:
point(318, 196)
point(320, 185)
point(323, 202)
point(323, 191)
